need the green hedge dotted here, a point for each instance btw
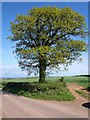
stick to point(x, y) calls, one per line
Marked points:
point(49, 90)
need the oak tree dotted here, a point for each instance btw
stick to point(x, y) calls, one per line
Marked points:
point(46, 38)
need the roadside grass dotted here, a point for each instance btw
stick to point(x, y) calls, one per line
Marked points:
point(1, 86)
point(82, 93)
point(53, 89)
point(47, 91)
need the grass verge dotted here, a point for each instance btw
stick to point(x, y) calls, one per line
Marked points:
point(47, 91)
point(1, 86)
point(82, 93)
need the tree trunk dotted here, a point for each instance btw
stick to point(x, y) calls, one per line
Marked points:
point(42, 71)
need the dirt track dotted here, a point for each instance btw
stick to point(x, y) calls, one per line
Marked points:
point(21, 107)
point(72, 87)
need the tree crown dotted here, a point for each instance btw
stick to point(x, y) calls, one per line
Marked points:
point(48, 34)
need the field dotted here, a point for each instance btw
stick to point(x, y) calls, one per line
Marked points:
point(81, 80)
point(53, 89)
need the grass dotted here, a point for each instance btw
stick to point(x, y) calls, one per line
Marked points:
point(53, 89)
point(82, 93)
point(32, 79)
point(1, 84)
point(47, 91)
point(81, 80)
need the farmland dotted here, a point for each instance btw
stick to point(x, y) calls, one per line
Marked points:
point(81, 80)
point(52, 89)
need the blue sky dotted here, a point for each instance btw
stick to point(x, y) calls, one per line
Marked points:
point(0, 38)
point(9, 12)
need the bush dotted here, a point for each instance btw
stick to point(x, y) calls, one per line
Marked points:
point(33, 87)
point(48, 90)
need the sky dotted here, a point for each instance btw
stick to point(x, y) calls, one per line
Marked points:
point(9, 12)
point(0, 38)
point(46, 0)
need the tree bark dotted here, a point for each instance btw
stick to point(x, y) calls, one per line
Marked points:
point(42, 71)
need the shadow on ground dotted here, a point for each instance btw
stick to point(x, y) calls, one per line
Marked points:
point(88, 89)
point(86, 105)
point(9, 93)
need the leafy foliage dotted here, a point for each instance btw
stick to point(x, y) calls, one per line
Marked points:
point(50, 90)
point(45, 38)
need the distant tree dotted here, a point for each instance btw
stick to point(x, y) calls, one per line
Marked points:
point(47, 38)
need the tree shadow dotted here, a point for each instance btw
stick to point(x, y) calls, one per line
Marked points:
point(86, 105)
point(88, 89)
point(9, 93)
point(0, 90)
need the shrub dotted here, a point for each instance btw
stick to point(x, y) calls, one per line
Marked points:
point(49, 90)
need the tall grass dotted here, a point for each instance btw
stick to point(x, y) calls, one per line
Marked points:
point(47, 91)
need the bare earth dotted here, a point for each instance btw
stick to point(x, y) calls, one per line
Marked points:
point(21, 107)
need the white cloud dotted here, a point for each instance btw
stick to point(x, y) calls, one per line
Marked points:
point(14, 70)
point(8, 66)
point(75, 69)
